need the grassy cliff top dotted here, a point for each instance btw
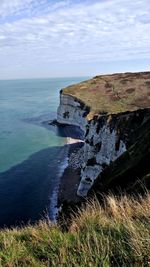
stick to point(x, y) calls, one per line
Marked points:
point(113, 93)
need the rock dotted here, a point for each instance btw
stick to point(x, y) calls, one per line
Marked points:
point(71, 111)
point(114, 112)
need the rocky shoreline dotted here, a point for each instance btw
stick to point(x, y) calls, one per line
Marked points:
point(71, 177)
point(66, 191)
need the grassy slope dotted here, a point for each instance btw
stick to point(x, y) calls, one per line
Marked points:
point(115, 235)
point(113, 93)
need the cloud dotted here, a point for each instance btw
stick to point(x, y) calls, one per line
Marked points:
point(46, 32)
point(29, 7)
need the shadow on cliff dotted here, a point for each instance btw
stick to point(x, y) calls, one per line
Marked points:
point(131, 171)
point(62, 130)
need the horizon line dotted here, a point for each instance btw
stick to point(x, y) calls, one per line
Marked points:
point(74, 76)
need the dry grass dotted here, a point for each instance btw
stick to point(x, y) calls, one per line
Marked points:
point(113, 93)
point(120, 231)
point(117, 234)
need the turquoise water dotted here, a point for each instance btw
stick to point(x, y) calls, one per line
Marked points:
point(31, 152)
point(21, 100)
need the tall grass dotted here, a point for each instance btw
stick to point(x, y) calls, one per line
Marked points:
point(115, 234)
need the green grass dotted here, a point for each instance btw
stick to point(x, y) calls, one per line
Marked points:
point(115, 235)
point(113, 93)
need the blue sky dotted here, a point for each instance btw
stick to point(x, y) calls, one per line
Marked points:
point(45, 38)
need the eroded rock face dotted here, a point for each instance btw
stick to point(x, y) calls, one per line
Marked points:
point(109, 136)
point(100, 149)
point(107, 139)
point(72, 111)
point(102, 142)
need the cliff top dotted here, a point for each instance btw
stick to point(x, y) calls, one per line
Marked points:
point(113, 93)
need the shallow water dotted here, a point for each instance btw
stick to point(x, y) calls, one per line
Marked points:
point(22, 100)
point(31, 153)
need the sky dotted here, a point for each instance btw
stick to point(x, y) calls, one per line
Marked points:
point(46, 38)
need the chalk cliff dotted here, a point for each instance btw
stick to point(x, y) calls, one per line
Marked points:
point(72, 111)
point(112, 110)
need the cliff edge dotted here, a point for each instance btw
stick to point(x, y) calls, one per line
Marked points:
point(114, 113)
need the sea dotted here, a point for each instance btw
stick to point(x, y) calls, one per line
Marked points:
point(33, 154)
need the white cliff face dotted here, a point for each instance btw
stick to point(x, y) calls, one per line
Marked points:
point(99, 150)
point(100, 147)
point(72, 112)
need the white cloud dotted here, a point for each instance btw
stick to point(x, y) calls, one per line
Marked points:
point(11, 7)
point(29, 7)
point(65, 32)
